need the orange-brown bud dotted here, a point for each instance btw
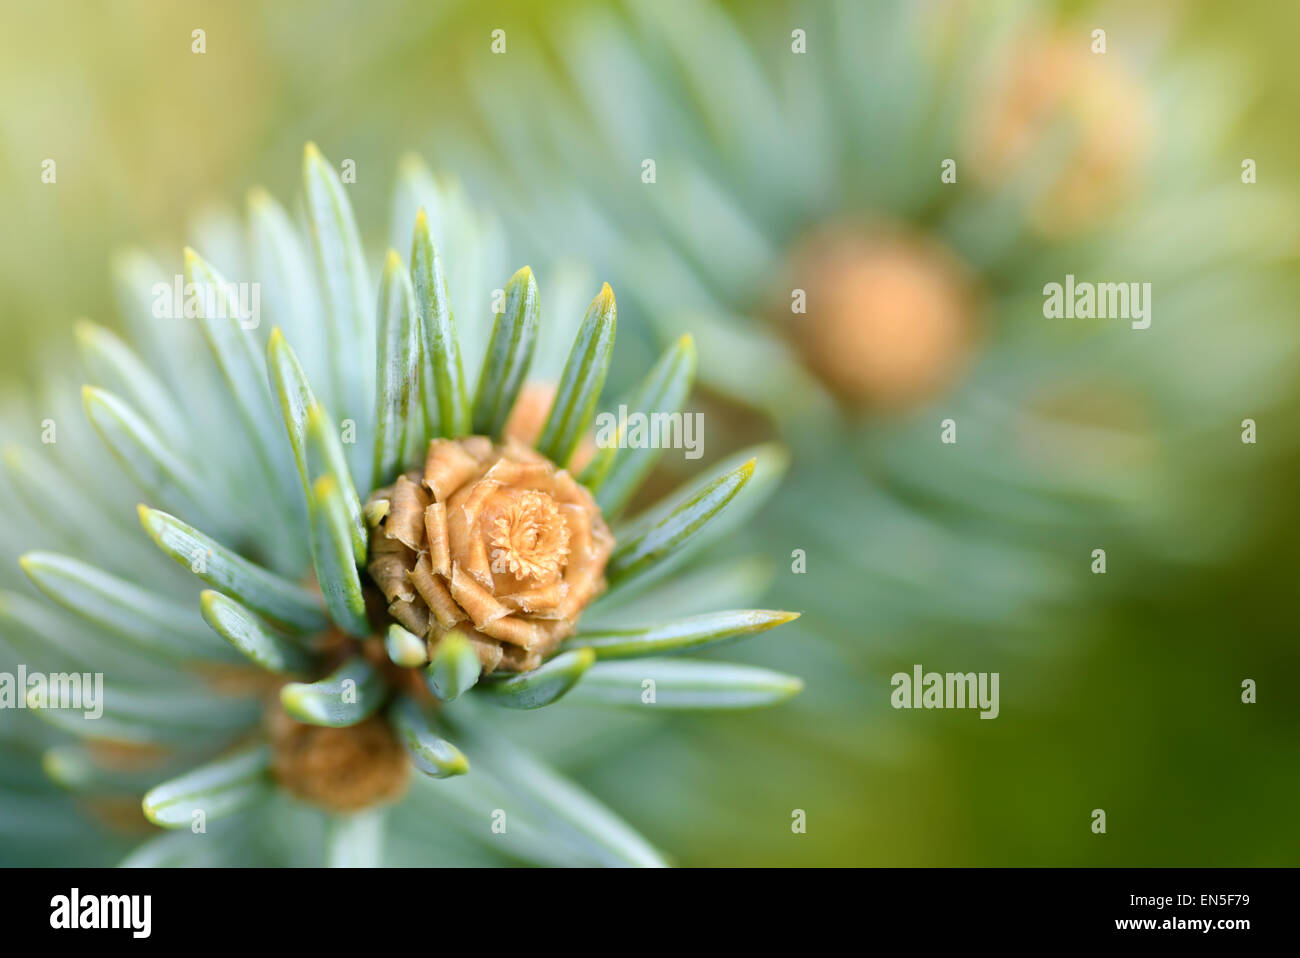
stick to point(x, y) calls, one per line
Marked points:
point(494, 541)
point(342, 769)
point(890, 318)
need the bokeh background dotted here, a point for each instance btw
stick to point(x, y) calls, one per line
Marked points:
point(1120, 691)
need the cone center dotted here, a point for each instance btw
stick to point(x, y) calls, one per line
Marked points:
point(529, 537)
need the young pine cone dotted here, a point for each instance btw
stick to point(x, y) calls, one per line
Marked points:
point(493, 541)
point(891, 320)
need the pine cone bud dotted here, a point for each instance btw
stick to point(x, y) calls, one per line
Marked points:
point(342, 769)
point(891, 317)
point(1053, 85)
point(528, 418)
point(494, 541)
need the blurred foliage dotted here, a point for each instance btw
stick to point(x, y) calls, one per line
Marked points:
point(1136, 710)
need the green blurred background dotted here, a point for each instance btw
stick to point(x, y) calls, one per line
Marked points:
point(1119, 693)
